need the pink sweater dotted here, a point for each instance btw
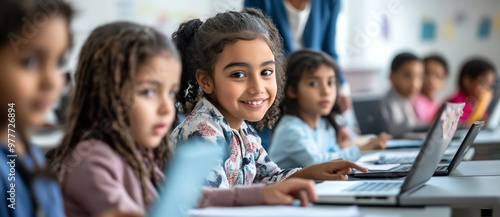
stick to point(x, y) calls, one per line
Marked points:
point(470, 103)
point(425, 108)
point(97, 179)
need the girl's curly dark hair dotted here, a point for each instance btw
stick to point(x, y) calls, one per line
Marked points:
point(201, 42)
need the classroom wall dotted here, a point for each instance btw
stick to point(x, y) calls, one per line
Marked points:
point(366, 40)
point(165, 15)
point(371, 41)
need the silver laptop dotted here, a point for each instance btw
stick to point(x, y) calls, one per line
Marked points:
point(185, 176)
point(386, 192)
point(441, 170)
point(406, 143)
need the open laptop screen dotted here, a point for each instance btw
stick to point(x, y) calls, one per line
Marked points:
point(434, 145)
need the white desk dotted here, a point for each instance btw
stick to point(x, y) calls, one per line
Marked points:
point(368, 211)
point(479, 192)
point(478, 168)
point(441, 211)
point(487, 144)
point(488, 137)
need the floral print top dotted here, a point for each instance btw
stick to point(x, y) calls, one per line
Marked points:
point(244, 159)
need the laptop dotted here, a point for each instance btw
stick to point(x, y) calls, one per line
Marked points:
point(404, 143)
point(386, 192)
point(368, 113)
point(185, 177)
point(441, 170)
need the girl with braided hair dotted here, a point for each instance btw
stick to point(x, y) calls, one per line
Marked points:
point(114, 149)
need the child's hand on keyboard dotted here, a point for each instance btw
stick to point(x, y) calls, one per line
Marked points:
point(331, 170)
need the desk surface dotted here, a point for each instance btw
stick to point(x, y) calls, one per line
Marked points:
point(368, 211)
point(484, 137)
point(474, 191)
point(487, 145)
point(478, 168)
point(365, 211)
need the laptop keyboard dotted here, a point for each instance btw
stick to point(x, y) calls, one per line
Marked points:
point(407, 167)
point(375, 187)
point(442, 168)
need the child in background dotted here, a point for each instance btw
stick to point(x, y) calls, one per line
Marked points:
point(475, 82)
point(435, 73)
point(114, 151)
point(306, 134)
point(233, 73)
point(407, 72)
point(31, 56)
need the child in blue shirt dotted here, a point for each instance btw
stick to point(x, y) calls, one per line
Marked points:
point(306, 134)
point(34, 40)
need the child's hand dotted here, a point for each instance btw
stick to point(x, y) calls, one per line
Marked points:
point(285, 192)
point(331, 170)
point(343, 135)
point(385, 136)
point(376, 143)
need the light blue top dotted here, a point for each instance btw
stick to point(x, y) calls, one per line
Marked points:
point(295, 144)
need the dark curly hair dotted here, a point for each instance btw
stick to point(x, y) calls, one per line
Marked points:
point(299, 63)
point(200, 43)
point(100, 107)
point(474, 68)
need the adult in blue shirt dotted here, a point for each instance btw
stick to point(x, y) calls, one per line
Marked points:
point(306, 24)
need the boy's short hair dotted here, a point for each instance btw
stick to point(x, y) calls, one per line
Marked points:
point(439, 59)
point(402, 58)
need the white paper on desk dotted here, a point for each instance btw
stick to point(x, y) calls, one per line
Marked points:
point(278, 211)
point(378, 166)
point(369, 158)
point(404, 143)
point(374, 157)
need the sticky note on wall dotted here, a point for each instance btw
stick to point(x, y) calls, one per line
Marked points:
point(497, 22)
point(484, 29)
point(428, 30)
point(449, 29)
